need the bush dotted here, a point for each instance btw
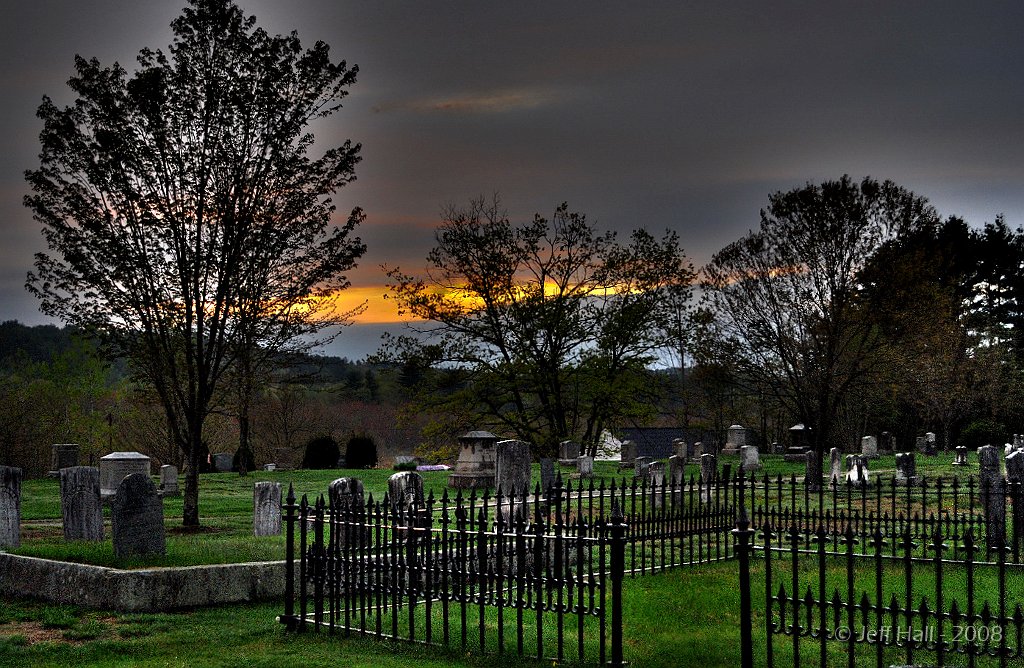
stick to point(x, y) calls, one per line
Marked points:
point(322, 452)
point(983, 432)
point(245, 455)
point(405, 466)
point(361, 453)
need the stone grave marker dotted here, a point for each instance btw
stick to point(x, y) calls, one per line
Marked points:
point(627, 455)
point(750, 458)
point(10, 507)
point(961, 456)
point(993, 496)
point(857, 470)
point(476, 463)
point(698, 450)
point(679, 448)
point(169, 480)
point(708, 476)
point(346, 499)
point(547, 474)
point(221, 462)
point(80, 503)
point(869, 447)
point(640, 465)
point(270, 467)
point(585, 466)
point(812, 470)
point(512, 470)
point(1015, 467)
point(115, 466)
point(266, 508)
point(886, 443)
point(655, 481)
point(735, 438)
point(906, 469)
point(930, 444)
point(835, 476)
point(137, 518)
point(676, 470)
point(568, 451)
point(63, 455)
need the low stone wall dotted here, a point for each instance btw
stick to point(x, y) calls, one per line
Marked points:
point(144, 590)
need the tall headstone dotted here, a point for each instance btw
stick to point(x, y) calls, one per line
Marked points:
point(63, 455)
point(869, 447)
point(993, 496)
point(654, 482)
point(568, 451)
point(1015, 467)
point(169, 480)
point(547, 474)
point(750, 458)
point(906, 469)
point(627, 455)
point(266, 508)
point(708, 476)
point(10, 506)
point(735, 438)
point(799, 435)
point(115, 466)
point(585, 466)
point(857, 470)
point(513, 466)
point(931, 446)
point(835, 476)
point(698, 450)
point(475, 466)
point(676, 470)
point(961, 456)
point(886, 443)
point(80, 503)
point(137, 518)
point(640, 465)
point(812, 470)
point(405, 489)
point(347, 506)
point(679, 448)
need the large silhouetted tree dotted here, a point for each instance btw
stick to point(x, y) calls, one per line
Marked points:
point(788, 295)
point(187, 221)
point(550, 324)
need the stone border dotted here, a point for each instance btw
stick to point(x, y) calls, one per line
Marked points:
point(143, 590)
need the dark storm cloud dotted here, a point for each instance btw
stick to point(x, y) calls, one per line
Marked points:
point(663, 115)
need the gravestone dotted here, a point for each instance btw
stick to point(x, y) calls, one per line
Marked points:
point(655, 482)
point(857, 470)
point(63, 455)
point(116, 466)
point(886, 443)
point(640, 465)
point(270, 467)
point(679, 448)
point(266, 508)
point(735, 438)
point(347, 506)
point(1015, 467)
point(676, 470)
point(169, 480)
point(930, 444)
point(585, 466)
point(812, 470)
point(627, 455)
point(993, 496)
point(708, 476)
point(512, 470)
point(221, 462)
point(869, 447)
point(137, 518)
point(961, 456)
point(568, 451)
point(10, 507)
point(920, 445)
point(906, 469)
point(405, 489)
point(799, 435)
point(547, 474)
point(750, 458)
point(80, 503)
point(698, 451)
point(835, 476)
point(475, 466)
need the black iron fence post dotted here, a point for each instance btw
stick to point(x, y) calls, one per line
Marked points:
point(618, 572)
point(289, 565)
point(741, 550)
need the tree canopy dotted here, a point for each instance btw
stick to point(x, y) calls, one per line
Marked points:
point(186, 219)
point(551, 323)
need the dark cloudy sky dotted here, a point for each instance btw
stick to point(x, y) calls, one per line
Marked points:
point(657, 115)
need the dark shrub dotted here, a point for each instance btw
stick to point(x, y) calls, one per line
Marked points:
point(361, 453)
point(243, 456)
point(321, 453)
point(983, 432)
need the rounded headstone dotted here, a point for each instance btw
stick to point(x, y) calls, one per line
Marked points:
point(137, 518)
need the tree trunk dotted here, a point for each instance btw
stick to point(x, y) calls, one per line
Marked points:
point(190, 511)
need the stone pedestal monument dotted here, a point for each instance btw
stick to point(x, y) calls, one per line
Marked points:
point(476, 465)
point(115, 466)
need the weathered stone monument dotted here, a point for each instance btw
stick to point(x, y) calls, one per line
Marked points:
point(640, 465)
point(961, 456)
point(405, 489)
point(906, 469)
point(798, 438)
point(1015, 467)
point(655, 482)
point(169, 481)
point(930, 444)
point(857, 470)
point(676, 470)
point(585, 466)
point(627, 455)
point(221, 462)
point(10, 506)
point(547, 474)
point(266, 508)
point(708, 476)
point(993, 496)
point(698, 451)
point(835, 476)
point(886, 443)
point(750, 458)
point(346, 499)
point(137, 518)
point(80, 503)
point(735, 438)
point(869, 447)
point(679, 448)
point(568, 451)
point(513, 464)
point(475, 466)
point(115, 466)
point(64, 455)
point(812, 470)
